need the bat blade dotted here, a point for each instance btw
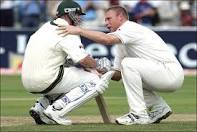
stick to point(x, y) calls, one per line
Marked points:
point(103, 109)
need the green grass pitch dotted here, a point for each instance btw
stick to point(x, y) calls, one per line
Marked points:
point(15, 104)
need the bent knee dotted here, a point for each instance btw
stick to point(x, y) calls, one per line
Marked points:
point(176, 85)
point(169, 88)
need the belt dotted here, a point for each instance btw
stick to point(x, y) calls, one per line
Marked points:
point(57, 80)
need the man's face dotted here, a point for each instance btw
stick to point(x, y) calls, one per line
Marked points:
point(74, 19)
point(112, 20)
point(77, 20)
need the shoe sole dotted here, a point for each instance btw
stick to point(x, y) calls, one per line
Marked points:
point(49, 117)
point(129, 123)
point(163, 117)
point(118, 122)
point(121, 124)
point(36, 116)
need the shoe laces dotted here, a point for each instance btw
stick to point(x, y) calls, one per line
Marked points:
point(154, 113)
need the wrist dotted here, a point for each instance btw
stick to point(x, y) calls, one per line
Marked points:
point(80, 31)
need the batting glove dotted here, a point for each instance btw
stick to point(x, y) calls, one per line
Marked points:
point(102, 85)
point(103, 65)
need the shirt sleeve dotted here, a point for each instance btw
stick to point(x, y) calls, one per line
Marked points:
point(72, 45)
point(126, 35)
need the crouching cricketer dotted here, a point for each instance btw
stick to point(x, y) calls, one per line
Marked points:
point(143, 61)
point(63, 87)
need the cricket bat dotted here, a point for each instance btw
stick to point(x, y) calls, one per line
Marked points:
point(103, 109)
point(101, 103)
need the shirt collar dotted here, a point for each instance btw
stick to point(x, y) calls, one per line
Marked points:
point(59, 21)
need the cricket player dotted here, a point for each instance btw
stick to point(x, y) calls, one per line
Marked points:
point(143, 62)
point(64, 88)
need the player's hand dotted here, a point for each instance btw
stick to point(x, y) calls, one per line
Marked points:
point(103, 65)
point(102, 86)
point(68, 29)
point(103, 83)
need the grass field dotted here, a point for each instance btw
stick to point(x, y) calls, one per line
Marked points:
point(15, 104)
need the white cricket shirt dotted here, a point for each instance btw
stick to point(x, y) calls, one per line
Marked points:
point(46, 52)
point(140, 42)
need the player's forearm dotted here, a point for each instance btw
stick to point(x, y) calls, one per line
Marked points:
point(88, 62)
point(96, 36)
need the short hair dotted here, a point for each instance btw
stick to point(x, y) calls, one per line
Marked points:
point(119, 10)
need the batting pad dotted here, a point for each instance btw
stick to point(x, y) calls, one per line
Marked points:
point(75, 98)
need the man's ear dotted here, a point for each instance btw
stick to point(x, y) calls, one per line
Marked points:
point(121, 17)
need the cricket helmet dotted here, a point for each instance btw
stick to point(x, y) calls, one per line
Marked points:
point(71, 8)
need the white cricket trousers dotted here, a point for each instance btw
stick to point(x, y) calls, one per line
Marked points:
point(142, 77)
point(73, 77)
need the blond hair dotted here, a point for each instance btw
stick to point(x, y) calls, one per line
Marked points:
point(119, 10)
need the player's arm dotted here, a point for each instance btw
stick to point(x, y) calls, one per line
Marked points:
point(88, 62)
point(72, 46)
point(98, 66)
point(97, 36)
point(101, 65)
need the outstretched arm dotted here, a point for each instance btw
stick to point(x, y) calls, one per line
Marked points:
point(97, 36)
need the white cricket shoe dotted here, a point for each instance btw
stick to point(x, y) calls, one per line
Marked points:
point(53, 114)
point(36, 112)
point(159, 112)
point(130, 119)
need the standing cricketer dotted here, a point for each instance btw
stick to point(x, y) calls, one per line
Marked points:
point(43, 71)
point(143, 61)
